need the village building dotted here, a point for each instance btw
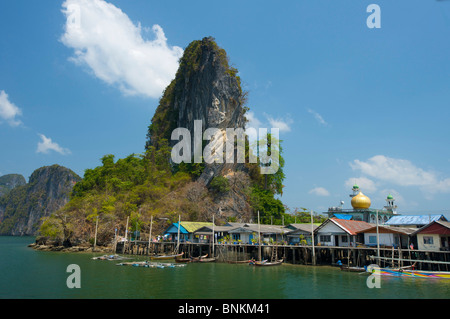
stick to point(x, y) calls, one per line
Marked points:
point(435, 236)
point(388, 236)
point(248, 233)
point(341, 232)
point(187, 230)
point(299, 234)
point(204, 233)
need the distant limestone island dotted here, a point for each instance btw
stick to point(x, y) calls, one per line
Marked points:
point(23, 206)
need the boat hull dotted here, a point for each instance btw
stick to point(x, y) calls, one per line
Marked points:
point(168, 257)
point(266, 263)
point(412, 273)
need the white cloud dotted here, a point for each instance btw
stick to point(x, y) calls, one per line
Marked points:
point(284, 125)
point(112, 46)
point(46, 145)
point(319, 191)
point(318, 117)
point(365, 185)
point(9, 111)
point(253, 121)
point(401, 172)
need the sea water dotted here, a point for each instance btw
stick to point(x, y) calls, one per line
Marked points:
point(29, 274)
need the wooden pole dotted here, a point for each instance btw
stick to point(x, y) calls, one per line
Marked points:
point(115, 241)
point(95, 239)
point(178, 235)
point(312, 240)
point(150, 235)
point(126, 235)
point(213, 238)
point(378, 238)
point(259, 239)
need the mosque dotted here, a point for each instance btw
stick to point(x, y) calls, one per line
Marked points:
point(361, 209)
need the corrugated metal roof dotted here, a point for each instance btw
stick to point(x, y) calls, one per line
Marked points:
point(207, 230)
point(352, 227)
point(186, 227)
point(265, 229)
point(300, 227)
point(413, 219)
point(389, 229)
point(193, 226)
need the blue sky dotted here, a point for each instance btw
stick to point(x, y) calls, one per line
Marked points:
point(353, 104)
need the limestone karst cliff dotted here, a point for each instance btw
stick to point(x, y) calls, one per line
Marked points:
point(9, 182)
point(207, 89)
point(23, 207)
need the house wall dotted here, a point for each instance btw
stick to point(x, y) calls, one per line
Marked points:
point(422, 245)
point(330, 230)
point(386, 239)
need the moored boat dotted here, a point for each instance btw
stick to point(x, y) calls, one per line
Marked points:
point(265, 262)
point(165, 257)
point(352, 269)
point(400, 272)
point(207, 260)
point(268, 263)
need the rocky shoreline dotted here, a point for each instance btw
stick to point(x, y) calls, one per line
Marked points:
point(72, 249)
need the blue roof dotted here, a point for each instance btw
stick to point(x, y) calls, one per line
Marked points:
point(414, 219)
point(343, 216)
point(173, 229)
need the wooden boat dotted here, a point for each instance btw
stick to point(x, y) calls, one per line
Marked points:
point(268, 263)
point(265, 262)
point(109, 257)
point(207, 260)
point(182, 260)
point(410, 271)
point(352, 269)
point(165, 257)
point(190, 259)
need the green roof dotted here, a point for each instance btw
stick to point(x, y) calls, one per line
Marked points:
point(193, 226)
point(390, 196)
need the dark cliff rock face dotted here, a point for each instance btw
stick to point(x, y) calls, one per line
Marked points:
point(48, 190)
point(205, 88)
point(9, 182)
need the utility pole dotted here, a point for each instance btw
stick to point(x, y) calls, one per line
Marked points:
point(378, 239)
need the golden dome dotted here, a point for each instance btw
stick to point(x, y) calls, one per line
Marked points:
point(361, 201)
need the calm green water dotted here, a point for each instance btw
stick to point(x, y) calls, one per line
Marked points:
point(26, 273)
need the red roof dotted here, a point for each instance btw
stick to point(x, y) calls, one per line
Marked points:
point(352, 227)
point(436, 227)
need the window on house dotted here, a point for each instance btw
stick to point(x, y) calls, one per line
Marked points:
point(372, 239)
point(344, 239)
point(428, 240)
point(325, 238)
